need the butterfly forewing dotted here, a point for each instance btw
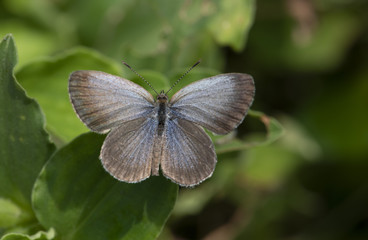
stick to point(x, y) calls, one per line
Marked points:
point(218, 103)
point(189, 156)
point(127, 151)
point(103, 101)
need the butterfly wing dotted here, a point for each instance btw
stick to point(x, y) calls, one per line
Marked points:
point(127, 151)
point(189, 156)
point(218, 103)
point(103, 101)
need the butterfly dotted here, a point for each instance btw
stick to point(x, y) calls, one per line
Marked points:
point(147, 134)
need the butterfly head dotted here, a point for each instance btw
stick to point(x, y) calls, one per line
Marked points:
point(162, 97)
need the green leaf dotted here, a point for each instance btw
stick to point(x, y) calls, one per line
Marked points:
point(274, 131)
point(47, 81)
point(165, 34)
point(273, 127)
point(25, 145)
point(75, 195)
point(41, 235)
point(32, 42)
point(232, 21)
point(9, 213)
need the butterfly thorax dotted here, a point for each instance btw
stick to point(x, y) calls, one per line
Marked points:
point(161, 113)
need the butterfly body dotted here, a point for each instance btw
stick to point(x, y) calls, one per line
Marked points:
point(161, 112)
point(146, 135)
point(161, 115)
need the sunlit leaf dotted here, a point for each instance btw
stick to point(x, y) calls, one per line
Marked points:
point(47, 81)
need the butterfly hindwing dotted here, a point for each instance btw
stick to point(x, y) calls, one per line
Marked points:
point(189, 156)
point(127, 151)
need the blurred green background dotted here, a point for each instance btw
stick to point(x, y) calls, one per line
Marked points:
point(309, 60)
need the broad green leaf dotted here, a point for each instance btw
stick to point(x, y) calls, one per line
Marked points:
point(41, 235)
point(76, 197)
point(47, 81)
point(25, 145)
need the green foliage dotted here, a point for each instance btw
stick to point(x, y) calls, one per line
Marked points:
point(66, 191)
point(299, 175)
point(25, 145)
point(46, 80)
point(306, 43)
point(72, 193)
point(159, 35)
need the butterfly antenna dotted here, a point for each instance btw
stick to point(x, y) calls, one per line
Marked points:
point(126, 64)
point(195, 64)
